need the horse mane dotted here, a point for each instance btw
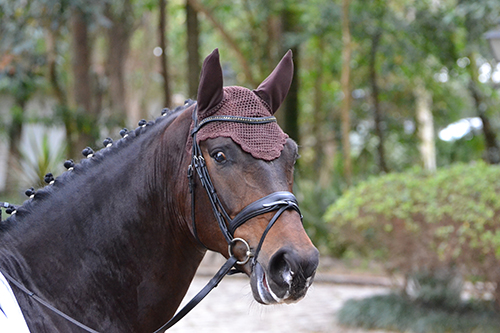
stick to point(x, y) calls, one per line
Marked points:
point(82, 169)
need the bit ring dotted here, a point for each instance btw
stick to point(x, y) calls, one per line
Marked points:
point(249, 253)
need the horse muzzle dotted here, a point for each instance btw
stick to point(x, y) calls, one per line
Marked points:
point(286, 277)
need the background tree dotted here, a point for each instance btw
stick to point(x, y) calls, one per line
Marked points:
point(291, 16)
point(83, 88)
point(405, 58)
point(193, 50)
point(119, 31)
point(162, 27)
point(346, 90)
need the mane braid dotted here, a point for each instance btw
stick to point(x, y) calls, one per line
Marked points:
point(85, 164)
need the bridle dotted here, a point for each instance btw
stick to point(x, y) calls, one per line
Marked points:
point(281, 200)
point(277, 201)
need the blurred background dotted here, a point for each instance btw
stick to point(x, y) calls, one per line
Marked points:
point(394, 105)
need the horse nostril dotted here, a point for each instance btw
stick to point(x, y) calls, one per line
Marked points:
point(289, 266)
point(279, 269)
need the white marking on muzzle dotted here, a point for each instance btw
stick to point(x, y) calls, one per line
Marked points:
point(288, 276)
point(308, 282)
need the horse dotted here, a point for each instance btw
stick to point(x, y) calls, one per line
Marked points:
point(115, 241)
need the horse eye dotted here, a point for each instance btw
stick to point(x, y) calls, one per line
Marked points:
point(219, 157)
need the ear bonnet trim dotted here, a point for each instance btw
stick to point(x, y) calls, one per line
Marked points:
point(265, 141)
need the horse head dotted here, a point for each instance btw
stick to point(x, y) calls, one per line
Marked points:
point(248, 158)
point(112, 222)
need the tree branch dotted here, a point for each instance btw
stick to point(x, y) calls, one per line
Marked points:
point(232, 43)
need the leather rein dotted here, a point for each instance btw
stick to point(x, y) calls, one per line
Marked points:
point(277, 201)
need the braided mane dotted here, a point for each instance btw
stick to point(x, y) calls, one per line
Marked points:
point(85, 166)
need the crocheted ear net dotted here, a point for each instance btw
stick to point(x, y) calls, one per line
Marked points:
point(263, 141)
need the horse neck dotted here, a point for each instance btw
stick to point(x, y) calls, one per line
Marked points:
point(120, 237)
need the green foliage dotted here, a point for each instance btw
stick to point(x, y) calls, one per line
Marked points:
point(420, 221)
point(470, 147)
point(398, 313)
point(39, 158)
point(417, 41)
point(314, 199)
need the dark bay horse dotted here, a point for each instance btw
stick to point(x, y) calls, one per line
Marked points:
point(115, 241)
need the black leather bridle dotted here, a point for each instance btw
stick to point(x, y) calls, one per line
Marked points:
point(228, 226)
point(277, 201)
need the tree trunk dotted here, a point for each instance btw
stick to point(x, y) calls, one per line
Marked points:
point(274, 40)
point(318, 118)
point(162, 32)
point(86, 118)
point(290, 19)
point(378, 118)
point(193, 34)
point(492, 149)
point(15, 131)
point(51, 40)
point(345, 81)
point(231, 42)
point(81, 62)
point(118, 49)
point(63, 109)
point(324, 144)
point(425, 127)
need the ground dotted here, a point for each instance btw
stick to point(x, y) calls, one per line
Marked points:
point(230, 307)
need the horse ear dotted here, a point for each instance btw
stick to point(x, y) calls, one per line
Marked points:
point(274, 89)
point(210, 92)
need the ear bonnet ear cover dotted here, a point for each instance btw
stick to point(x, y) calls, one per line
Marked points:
point(263, 141)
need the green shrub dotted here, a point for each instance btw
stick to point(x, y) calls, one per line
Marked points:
point(416, 221)
point(314, 199)
point(397, 312)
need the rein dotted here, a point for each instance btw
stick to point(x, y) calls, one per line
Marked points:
point(278, 201)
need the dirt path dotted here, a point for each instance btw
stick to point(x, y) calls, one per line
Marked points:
point(230, 308)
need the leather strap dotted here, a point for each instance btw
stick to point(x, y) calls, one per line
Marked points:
point(234, 119)
point(264, 205)
point(214, 282)
point(46, 304)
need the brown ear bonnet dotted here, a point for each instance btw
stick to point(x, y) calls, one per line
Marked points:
point(263, 141)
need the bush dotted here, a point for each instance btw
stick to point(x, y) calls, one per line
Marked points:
point(442, 288)
point(396, 312)
point(417, 221)
point(314, 198)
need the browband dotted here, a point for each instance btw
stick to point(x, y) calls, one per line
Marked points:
point(234, 119)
